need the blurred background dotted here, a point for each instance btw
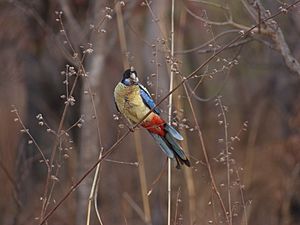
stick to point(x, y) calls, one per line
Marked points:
point(60, 61)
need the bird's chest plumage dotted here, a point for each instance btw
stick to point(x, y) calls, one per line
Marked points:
point(130, 103)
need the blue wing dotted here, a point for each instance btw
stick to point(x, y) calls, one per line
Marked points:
point(147, 99)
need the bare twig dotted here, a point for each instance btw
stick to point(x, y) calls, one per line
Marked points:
point(241, 188)
point(157, 178)
point(272, 30)
point(71, 19)
point(25, 130)
point(135, 206)
point(259, 17)
point(176, 206)
point(13, 183)
point(93, 194)
point(234, 45)
point(76, 184)
point(170, 109)
point(211, 175)
point(156, 20)
point(225, 23)
point(177, 52)
point(216, 5)
point(136, 164)
point(54, 149)
point(223, 112)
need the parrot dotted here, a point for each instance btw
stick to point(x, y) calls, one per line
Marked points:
point(134, 102)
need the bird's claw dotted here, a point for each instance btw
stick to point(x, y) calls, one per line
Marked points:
point(131, 129)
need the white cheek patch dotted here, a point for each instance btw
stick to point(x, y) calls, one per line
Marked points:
point(133, 76)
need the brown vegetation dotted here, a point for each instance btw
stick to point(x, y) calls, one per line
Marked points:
point(237, 108)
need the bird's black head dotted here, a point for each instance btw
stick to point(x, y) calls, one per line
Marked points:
point(130, 77)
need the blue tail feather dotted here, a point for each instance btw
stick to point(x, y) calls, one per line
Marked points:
point(173, 132)
point(170, 147)
point(175, 146)
point(166, 149)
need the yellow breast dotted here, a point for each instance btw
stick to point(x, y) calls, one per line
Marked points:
point(130, 103)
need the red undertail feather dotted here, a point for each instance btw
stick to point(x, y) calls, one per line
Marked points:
point(156, 126)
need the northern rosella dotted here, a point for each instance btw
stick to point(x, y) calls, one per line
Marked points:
point(134, 101)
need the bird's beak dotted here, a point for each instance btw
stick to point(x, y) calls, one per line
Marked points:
point(136, 80)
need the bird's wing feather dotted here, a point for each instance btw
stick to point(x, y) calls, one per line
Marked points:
point(175, 146)
point(173, 132)
point(145, 95)
point(166, 149)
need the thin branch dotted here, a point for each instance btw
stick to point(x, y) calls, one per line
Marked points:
point(224, 23)
point(241, 188)
point(265, 43)
point(76, 184)
point(222, 107)
point(60, 132)
point(71, 19)
point(136, 164)
point(8, 175)
point(96, 203)
point(157, 178)
point(13, 183)
point(216, 5)
point(198, 98)
point(139, 36)
point(206, 43)
point(170, 109)
point(234, 45)
point(135, 206)
point(156, 20)
point(25, 130)
point(259, 17)
point(176, 207)
point(93, 194)
point(96, 178)
point(272, 30)
point(211, 175)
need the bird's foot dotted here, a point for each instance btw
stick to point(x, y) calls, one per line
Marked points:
point(131, 129)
